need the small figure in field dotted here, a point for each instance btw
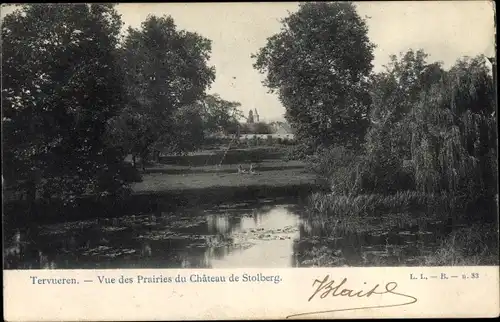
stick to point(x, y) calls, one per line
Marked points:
point(241, 170)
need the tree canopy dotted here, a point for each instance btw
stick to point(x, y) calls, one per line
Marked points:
point(165, 70)
point(319, 65)
point(220, 115)
point(60, 86)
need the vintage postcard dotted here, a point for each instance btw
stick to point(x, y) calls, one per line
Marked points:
point(220, 161)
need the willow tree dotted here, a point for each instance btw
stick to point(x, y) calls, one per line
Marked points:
point(394, 93)
point(454, 136)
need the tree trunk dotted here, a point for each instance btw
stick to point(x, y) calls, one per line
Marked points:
point(143, 160)
point(134, 161)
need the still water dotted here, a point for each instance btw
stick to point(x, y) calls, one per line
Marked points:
point(266, 234)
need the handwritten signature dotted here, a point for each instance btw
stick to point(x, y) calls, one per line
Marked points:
point(327, 287)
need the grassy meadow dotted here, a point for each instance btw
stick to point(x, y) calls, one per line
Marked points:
point(211, 169)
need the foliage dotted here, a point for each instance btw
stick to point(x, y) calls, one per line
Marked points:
point(351, 206)
point(256, 128)
point(454, 134)
point(349, 172)
point(55, 107)
point(319, 65)
point(165, 70)
point(475, 245)
point(220, 115)
point(336, 165)
point(188, 126)
point(394, 93)
point(263, 128)
point(432, 131)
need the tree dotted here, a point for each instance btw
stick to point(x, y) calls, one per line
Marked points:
point(319, 65)
point(220, 115)
point(394, 92)
point(262, 128)
point(244, 128)
point(434, 127)
point(61, 85)
point(454, 135)
point(189, 127)
point(165, 70)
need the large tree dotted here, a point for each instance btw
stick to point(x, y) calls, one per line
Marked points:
point(60, 86)
point(454, 134)
point(433, 130)
point(319, 65)
point(395, 92)
point(165, 69)
point(220, 115)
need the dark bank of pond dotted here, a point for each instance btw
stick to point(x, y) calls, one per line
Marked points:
point(267, 233)
point(17, 214)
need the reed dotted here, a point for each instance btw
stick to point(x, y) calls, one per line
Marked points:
point(340, 206)
point(476, 245)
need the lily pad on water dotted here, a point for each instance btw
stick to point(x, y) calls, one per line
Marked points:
point(376, 253)
point(425, 233)
point(112, 228)
point(243, 245)
point(324, 260)
point(197, 245)
point(51, 232)
point(96, 250)
point(379, 233)
point(105, 251)
point(158, 235)
point(215, 242)
point(189, 223)
point(62, 228)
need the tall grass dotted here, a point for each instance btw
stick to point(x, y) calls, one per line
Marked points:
point(362, 205)
point(476, 245)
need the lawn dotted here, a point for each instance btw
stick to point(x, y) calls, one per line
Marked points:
point(157, 182)
point(266, 165)
point(202, 171)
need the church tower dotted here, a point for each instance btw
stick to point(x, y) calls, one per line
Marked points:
point(250, 117)
point(256, 116)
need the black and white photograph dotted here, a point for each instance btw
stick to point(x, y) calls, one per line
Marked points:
point(257, 135)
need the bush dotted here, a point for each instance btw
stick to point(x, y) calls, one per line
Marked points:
point(337, 167)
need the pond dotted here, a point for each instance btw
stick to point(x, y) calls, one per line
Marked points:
point(263, 234)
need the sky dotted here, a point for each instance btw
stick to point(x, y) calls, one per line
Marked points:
point(446, 30)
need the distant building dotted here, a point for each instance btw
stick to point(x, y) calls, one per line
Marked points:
point(250, 117)
point(256, 115)
point(281, 128)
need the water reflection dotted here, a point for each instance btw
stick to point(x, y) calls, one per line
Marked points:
point(265, 234)
point(389, 240)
